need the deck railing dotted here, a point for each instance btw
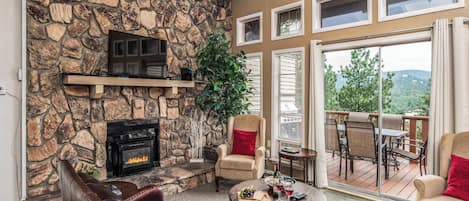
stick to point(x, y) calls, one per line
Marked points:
point(417, 126)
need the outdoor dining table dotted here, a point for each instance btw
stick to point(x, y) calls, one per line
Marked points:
point(386, 132)
point(389, 133)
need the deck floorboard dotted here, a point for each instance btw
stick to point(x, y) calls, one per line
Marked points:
point(400, 182)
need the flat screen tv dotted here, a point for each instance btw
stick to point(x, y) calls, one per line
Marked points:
point(132, 55)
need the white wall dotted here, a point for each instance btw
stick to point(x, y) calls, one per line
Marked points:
point(10, 62)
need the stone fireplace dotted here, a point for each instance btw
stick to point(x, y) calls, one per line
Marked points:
point(70, 37)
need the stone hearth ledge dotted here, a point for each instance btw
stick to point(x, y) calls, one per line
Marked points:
point(175, 179)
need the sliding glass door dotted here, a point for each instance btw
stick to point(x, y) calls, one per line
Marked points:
point(376, 102)
point(351, 81)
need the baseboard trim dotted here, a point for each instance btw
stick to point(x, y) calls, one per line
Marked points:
point(352, 193)
point(361, 193)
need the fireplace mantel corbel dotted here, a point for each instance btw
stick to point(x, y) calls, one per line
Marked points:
point(97, 83)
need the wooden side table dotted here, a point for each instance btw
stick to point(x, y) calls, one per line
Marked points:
point(304, 155)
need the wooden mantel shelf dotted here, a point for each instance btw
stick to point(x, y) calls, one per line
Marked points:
point(97, 83)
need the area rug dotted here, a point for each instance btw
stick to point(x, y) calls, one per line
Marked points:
point(207, 193)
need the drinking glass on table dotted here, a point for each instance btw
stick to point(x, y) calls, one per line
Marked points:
point(288, 189)
point(278, 188)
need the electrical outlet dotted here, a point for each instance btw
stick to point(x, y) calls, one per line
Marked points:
point(3, 90)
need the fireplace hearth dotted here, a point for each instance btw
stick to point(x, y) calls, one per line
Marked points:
point(132, 146)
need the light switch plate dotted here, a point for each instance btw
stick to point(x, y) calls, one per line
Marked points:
point(20, 74)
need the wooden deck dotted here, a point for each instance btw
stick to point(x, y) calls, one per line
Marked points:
point(400, 182)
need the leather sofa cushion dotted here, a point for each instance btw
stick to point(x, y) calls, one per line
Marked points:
point(128, 189)
point(87, 178)
point(148, 193)
point(104, 191)
point(238, 162)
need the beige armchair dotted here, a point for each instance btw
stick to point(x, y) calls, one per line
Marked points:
point(241, 167)
point(431, 187)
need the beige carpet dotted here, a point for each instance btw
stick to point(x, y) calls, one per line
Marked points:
point(207, 193)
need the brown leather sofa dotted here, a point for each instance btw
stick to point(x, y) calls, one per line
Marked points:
point(82, 187)
point(431, 187)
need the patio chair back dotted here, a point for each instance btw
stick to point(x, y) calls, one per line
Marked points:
point(392, 121)
point(358, 116)
point(332, 135)
point(361, 140)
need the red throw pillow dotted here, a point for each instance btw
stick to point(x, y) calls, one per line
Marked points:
point(244, 142)
point(458, 178)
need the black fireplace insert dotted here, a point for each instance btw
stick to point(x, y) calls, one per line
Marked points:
point(132, 146)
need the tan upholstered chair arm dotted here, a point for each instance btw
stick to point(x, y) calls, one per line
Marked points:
point(222, 151)
point(260, 154)
point(429, 186)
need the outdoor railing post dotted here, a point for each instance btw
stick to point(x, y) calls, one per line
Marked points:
point(424, 129)
point(413, 135)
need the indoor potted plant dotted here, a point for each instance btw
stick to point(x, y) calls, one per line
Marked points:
point(226, 91)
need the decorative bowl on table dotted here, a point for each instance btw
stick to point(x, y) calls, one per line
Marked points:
point(291, 150)
point(247, 192)
point(271, 181)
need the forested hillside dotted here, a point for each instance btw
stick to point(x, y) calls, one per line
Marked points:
point(408, 92)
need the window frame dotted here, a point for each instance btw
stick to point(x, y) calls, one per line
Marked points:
point(316, 21)
point(382, 14)
point(260, 55)
point(287, 7)
point(275, 98)
point(240, 40)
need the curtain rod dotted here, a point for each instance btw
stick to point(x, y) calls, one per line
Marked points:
point(379, 35)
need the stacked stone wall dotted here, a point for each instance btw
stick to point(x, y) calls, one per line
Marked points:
point(70, 37)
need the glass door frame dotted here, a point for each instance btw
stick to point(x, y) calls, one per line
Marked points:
point(377, 43)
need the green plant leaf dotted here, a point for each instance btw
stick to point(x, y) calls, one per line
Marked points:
point(227, 89)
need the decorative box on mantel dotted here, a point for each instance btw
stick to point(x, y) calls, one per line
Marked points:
point(97, 83)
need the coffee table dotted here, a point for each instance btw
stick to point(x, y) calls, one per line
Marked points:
point(259, 184)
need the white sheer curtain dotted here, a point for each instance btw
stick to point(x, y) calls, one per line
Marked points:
point(316, 113)
point(449, 102)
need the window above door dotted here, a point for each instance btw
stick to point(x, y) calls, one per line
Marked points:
point(330, 15)
point(395, 9)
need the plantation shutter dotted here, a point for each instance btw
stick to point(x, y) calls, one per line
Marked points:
point(253, 63)
point(291, 96)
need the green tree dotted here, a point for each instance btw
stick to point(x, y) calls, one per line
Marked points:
point(425, 107)
point(226, 92)
point(330, 91)
point(360, 92)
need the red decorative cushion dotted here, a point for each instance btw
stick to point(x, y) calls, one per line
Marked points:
point(244, 142)
point(458, 178)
